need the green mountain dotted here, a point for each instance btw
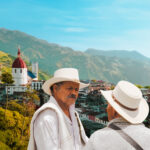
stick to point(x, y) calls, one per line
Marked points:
point(6, 61)
point(52, 56)
point(126, 54)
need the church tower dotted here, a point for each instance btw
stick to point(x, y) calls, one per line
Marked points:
point(35, 70)
point(19, 70)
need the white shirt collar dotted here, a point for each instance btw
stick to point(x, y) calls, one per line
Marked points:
point(71, 109)
point(73, 122)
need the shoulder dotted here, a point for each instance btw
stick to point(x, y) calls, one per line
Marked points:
point(102, 133)
point(46, 128)
point(47, 116)
point(98, 140)
point(139, 129)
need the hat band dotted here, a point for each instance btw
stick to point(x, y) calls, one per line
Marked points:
point(131, 109)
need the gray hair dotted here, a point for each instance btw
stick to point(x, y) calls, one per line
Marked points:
point(58, 85)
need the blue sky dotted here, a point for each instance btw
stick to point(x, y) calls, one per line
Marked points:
point(82, 24)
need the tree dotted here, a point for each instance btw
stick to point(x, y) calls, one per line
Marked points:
point(139, 86)
point(147, 87)
point(41, 96)
point(112, 87)
point(7, 78)
point(11, 135)
point(29, 107)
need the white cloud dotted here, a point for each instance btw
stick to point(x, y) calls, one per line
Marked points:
point(128, 40)
point(75, 29)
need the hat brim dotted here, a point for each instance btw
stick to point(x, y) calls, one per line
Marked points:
point(46, 86)
point(134, 117)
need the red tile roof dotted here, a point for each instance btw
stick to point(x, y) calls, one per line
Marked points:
point(19, 63)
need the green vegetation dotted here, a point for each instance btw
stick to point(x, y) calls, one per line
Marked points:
point(7, 78)
point(139, 86)
point(118, 53)
point(90, 127)
point(147, 87)
point(5, 62)
point(43, 75)
point(14, 126)
point(15, 117)
point(4, 146)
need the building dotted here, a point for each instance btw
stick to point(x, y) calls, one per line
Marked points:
point(35, 70)
point(19, 71)
point(36, 85)
point(23, 77)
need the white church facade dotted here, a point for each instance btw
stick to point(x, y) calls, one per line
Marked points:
point(22, 77)
point(19, 71)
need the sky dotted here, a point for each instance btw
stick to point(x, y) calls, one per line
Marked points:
point(82, 24)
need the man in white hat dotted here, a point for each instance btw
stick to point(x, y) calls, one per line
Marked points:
point(126, 109)
point(56, 125)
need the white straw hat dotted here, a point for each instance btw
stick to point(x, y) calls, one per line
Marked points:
point(128, 101)
point(63, 74)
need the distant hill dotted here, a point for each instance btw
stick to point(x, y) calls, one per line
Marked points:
point(6, 61)
point(118, 53)
point(112, 66)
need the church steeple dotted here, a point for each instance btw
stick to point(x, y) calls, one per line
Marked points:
point(19, 63)
point(19, 53)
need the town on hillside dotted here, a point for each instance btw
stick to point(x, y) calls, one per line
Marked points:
point(90, 104)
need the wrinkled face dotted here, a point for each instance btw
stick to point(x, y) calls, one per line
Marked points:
point(66, 93)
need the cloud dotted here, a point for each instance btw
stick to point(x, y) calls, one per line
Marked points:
point(126, 9)
point(75, 29)
point(137, 39)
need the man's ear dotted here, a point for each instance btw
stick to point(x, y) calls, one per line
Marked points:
point(110, 112)
point(54, 88)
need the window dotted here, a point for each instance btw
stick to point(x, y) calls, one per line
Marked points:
point(20, 70)
point(15, 70)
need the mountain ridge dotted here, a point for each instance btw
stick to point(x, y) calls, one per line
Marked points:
point(53, 56)
point(133, 54)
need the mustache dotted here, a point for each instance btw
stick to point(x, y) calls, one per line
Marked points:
point(72, 96)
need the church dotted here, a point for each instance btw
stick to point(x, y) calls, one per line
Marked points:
point(23, 77)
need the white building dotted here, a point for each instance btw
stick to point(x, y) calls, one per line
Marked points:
point(37, 85)
point(22, 77)
point(11, 89)
point(19, 71)
point(35, 70)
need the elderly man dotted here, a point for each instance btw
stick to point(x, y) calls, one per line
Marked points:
point(127, 109)
point(56, 125)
